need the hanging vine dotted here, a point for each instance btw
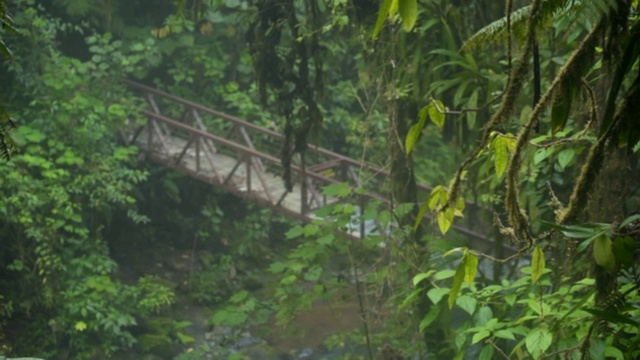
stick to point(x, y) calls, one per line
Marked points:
point(287, 58)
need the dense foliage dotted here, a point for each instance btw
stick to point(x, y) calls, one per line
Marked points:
point(525, 110)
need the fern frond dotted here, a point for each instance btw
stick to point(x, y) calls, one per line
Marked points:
point(497, 30)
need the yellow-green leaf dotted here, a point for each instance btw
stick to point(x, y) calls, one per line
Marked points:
point(414, 131)
point(436, 113)
point(460, 204)
point(393, 8)
point(438, 196)
point(408, 13)
point(454, 250)
point(603, 252)
point(500, 155)
point(537, 264)
point(445, 219)
point(470, 267)
point(412, 137)
point(80, 326)
point(382, 16)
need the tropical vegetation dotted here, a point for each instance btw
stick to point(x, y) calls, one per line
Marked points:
point(521, 116)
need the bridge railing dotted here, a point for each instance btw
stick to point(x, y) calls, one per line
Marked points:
point(189, 136)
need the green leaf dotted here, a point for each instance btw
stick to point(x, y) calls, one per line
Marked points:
point(418, 278)
point(565, 157)
point(116, 110)
point(438, 196)
point(453, 251)
point(613, 352)
point(436, 294)
point(542, 154)
point(629, 220)
point(239, 296)
point(483, 315)
point(421, 213)
point(458, 279)
point(436, 113)
point(500, 154)
point(612, 316)
point(294, 232)
point(339, 190)
point(382, 16)
point(444, 274)
point(310, 230)
point(185, 338)
point(414, 131)
point(408, 10)
point(624, 249)
point(603, 252)
point(539, 307)
point(470, 262)
point(412, 137)
point(445, 219)
point(538, 341)
point(313, 274)
point(80, 326)
point(409, 299)
point(326, 240)
point(467, 303)
point(431, 316)
point(482, 334)
point(487, 353)
point(504, 334)
point(537, 264)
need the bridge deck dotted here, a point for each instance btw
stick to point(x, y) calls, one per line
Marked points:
point(239, 157)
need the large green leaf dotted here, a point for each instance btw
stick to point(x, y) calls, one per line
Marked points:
point(624, 249)
point(465, 272)
point(408, 10)
point(382, 16)
point(501, 146)
point(603, 252)
point(538, 341)
point(470, 267)
point(458, 279)
point(537, 264)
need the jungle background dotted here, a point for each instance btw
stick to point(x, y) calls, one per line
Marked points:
point(529, 110)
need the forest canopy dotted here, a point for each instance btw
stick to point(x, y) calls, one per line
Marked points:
point(519, 117)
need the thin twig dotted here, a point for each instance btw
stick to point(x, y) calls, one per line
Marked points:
point(498, 349)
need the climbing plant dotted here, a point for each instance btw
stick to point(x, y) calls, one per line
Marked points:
point(613, 25)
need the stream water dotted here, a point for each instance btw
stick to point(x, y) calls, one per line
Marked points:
point(302, 339)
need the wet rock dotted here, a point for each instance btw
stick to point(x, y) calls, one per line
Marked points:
point(305, 354)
